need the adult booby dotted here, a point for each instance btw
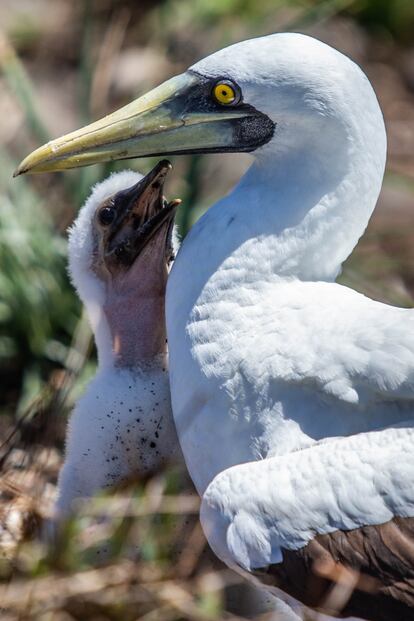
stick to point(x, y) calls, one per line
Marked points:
point(120, 250)
point(292, 395)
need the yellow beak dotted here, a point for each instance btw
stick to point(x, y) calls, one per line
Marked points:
point(177, 117)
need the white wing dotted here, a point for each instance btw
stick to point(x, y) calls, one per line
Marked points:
point(333, 340)
point(254, 511)
point(272, 368)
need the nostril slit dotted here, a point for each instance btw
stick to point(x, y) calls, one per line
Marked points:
point(120, 250)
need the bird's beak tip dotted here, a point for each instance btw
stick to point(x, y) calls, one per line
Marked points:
point(25, 166)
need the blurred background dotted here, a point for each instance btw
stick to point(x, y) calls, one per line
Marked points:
point(64, 63)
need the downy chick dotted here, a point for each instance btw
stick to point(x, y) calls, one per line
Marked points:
point(120, 251)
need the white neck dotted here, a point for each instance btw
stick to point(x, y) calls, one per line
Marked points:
point(298, 212)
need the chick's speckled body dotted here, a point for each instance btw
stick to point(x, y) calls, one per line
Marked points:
point(120, 429)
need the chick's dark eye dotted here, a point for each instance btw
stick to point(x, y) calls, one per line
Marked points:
point(106, 215)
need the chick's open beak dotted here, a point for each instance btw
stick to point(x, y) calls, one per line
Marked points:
point(141, 212)
point(179, 116)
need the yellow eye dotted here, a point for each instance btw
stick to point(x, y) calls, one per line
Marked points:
point(225, 93)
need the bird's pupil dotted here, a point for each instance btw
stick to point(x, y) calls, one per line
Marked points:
point(106, 215)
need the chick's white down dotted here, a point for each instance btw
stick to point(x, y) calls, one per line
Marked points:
point(122, 426)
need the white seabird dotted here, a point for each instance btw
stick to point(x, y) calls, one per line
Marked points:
point(120, 250)
point(292, 395)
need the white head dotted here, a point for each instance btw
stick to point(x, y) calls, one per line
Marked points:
point(120, 250)
point(300, 83)
point(317, 179)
